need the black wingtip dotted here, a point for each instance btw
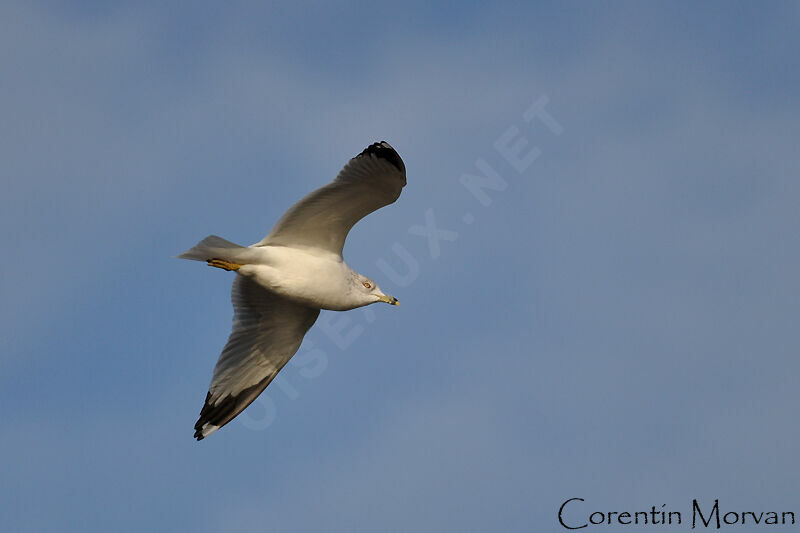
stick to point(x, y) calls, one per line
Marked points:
point(225, 409)
point(383, 150)
point(204, 418)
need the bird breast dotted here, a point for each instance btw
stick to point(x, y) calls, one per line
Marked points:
point(315, 278)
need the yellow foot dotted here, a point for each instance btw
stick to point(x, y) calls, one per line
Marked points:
point(224, 265)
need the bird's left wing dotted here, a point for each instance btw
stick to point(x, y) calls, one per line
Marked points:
point(267, 331)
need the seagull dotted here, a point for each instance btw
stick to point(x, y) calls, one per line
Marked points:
point(284, 280)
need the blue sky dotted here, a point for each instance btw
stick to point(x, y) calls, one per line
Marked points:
point(619, 323)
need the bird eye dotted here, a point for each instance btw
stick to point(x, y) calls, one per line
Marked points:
point(367, 284)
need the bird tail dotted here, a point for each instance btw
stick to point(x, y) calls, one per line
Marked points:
point(213, 247)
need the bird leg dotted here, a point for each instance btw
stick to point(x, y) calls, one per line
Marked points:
point(224, 265)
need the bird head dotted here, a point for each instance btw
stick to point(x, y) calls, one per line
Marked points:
point(371, 289)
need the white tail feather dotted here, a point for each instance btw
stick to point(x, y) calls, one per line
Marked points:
point(213, 247)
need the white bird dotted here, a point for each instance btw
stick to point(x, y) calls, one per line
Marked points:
point(284, 280)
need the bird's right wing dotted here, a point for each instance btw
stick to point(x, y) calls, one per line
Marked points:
point(267, 331)
point(369, 181)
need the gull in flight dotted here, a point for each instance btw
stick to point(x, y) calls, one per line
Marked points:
point(284, 280)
